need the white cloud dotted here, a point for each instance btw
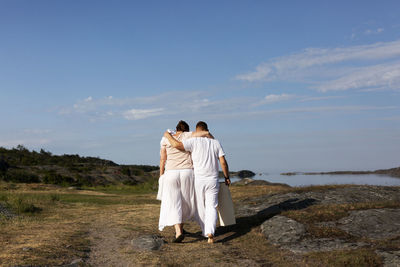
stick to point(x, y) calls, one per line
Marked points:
point(318, 98)
point(378, 76)
point(193, 105)
point(137, 114)
point(278, 98)
point(374, 31)
point(325, 66)
point(318, 110)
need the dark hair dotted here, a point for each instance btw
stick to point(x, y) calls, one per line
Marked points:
point(182, 126)
point(202, 125)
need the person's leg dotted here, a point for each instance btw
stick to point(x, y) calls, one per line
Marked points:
point(188, 195)
point(200, 203)
point(178, 232)
point(211, 214)
point(171, 210)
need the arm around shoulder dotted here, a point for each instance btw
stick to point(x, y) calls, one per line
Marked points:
point(174, 143)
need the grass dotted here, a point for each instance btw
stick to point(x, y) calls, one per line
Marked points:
point(143, 188)
point(356, 258)
point(74, 223)
point(322, 213)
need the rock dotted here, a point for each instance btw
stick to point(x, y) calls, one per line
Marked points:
point(295, 200)
point(362, 225)
point(321, 244)
point(250, 181)
point(245, 174)
point(26, 249)
point(390, 258)
point(148, 242)
point(76, 261)
point(289, 234)
point(5, 212)
point(375, 224)
point(282, 230)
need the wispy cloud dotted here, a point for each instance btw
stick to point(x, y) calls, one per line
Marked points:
point(278, 98)
point(382, 76)
point(325, 66)
point(374, 31)
point(193, 105)
point(137, 114)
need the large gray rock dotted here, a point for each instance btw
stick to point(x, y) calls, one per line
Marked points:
point(282, 230)
point(373, 223)
point(390, 258)
point(5, 213)
point(289, 234)
point(148, 242)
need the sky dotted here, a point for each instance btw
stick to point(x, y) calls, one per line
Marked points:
point(284, 86)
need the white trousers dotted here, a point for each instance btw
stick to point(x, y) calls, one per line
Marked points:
point(207, 203)
point(178, 200)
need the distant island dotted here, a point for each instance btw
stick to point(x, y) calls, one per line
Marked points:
point(394, 172)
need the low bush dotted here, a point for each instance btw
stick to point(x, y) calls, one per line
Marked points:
point(20, 176)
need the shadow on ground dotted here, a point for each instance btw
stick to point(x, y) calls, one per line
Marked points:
point(245, 224)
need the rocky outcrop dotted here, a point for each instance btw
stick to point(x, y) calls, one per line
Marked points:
point(5, 212)
point(359, 228)
point(375, 224)
point(296, 200)
point(249, 181)
point(245, 174)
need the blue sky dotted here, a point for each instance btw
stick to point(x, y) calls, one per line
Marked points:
point(294, 85)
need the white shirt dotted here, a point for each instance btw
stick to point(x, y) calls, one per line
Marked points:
point(205, 156)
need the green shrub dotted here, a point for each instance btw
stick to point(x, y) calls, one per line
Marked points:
point(58, 179)
point(20, 176)
point(130, 182)
point(126, 170)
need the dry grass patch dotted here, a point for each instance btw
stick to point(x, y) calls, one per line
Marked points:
point(39, 241)
point(322, 213)
point(242, 192)
point(328, 232)
point(355, 257)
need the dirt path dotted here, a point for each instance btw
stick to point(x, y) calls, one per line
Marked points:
point(108, 243)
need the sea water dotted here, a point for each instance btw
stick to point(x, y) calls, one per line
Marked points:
point(325, 179)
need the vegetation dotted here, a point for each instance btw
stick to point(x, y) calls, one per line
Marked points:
point(20, 165)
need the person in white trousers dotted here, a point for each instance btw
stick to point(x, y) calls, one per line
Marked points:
point(176, 184)
point(206, 153)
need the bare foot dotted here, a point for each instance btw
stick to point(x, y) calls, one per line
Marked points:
point(210, 239)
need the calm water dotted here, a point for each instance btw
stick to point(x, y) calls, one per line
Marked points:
point(304, 180)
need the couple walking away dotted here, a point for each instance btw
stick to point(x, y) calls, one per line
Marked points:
point(188, 185)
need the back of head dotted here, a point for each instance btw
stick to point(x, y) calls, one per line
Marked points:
point(202, 126)
point(182, 126)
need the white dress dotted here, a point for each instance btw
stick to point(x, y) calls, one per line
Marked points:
point(177, 198)
point(177, 187)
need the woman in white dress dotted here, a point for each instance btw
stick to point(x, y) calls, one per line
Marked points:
point(177, 195)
